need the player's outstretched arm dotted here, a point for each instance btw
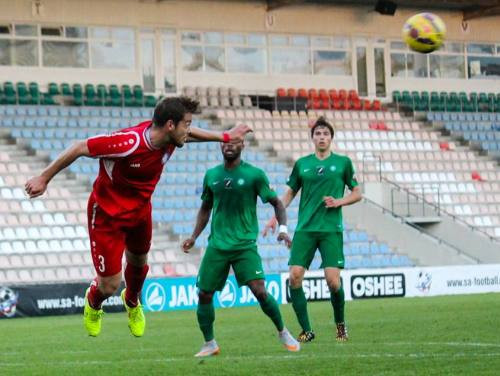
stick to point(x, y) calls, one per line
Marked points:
point(350, 199)
point(287, 198)
point(280, 215)
point(236, 134)
point(201, 222)
point(37, 185)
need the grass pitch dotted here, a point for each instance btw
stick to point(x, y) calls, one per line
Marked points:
point(453, 335)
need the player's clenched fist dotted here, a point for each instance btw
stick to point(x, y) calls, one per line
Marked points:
point(36, 186)
point(238, 132)
point(187, 244)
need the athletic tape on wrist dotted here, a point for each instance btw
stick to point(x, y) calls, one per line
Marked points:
point(283, 228)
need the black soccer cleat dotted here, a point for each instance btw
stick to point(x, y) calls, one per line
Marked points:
point(306, 336)
point(341, 332)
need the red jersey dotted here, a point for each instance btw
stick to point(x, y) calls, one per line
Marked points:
point(129, 169)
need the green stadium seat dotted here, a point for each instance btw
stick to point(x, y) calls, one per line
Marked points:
point(66, 89)
point(102, 94)
point(115, 97)
point(47, 99)
point(53, 89)
point(138, 95)
point(91, 98)
point(34, 91)
point(128, 98)
point(150, 101)
point(10, 93)
point(23, 95)
point(396, 96)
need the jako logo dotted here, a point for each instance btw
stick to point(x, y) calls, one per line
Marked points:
point(377, 286)
point(156, 297)
point(227, 297)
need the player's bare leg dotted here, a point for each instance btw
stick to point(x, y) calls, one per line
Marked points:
point(135, 274)
point(332, 276)
point(100, 289)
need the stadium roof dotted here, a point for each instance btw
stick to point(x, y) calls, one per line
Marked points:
point(471, 9)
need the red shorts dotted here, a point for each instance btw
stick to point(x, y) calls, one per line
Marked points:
point(110, 236)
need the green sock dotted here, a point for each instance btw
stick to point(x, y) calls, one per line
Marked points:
point(206, 317)
point(338, 301)
point(299, 304)
point(270, 308)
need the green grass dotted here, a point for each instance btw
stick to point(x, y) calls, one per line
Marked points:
point(443, 335)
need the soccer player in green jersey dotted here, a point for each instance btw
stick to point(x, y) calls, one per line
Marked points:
point(230, 192)
point(322, 177)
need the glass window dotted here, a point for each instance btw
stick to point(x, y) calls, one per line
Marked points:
point(454, 47)
point(341, 42)
point(246, 60)
point(398, 46)
point(65, 54)
point(113, 55)
point(278, 40)
point(76, 32)
point(192, 58)
point(214, 59)
point(299, 40)
point(148, 64)
point(416, 65)
point(476, 48)
point(398, 65)
point(321, 41)
point(101, 32)
point(123, 33)
point(235, 38)
point(332, 63)
point(169, 65)
point(256, 39)
point(4, 29)
point(290, 60)
point(445, 66)
point(26, 30)
point(168, 33)
point(191, 37)
point(18, 52)
point(52, 31)
point(483, 67)
point(214, 38)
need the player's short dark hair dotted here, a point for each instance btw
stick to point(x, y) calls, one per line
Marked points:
point(173, 108)
point(321, 122)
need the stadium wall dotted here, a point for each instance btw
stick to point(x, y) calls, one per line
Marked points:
point(361, 24)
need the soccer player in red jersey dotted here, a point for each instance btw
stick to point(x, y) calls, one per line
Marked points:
point(119, 209)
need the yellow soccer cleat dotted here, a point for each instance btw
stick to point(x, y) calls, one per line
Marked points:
point(136, 318)
point(92, 318)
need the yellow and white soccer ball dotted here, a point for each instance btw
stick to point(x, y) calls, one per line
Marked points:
point(424, 32)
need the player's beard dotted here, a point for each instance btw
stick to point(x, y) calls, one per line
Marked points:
point(231, 157)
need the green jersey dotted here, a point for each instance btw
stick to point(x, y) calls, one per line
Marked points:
point(317, 179)
point(233, 194)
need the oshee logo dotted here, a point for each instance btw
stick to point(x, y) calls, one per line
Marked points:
point(315, 289)
point(377, 286)
point(156, 297)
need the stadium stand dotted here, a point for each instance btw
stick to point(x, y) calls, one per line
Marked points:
point(46, 239)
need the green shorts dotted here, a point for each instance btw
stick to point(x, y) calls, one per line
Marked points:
point(330, 245)
point(214, 268)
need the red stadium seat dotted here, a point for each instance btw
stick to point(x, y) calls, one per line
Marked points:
point(346, 105)
point(367, 106)
point(313, 94)
point(314, 104)
point(325, 104)
point(281, 92)
point(292, 92)
point(323, 94)
point(342, 94)
point(333, 94)
point(353, 94)
point(476, 176)
point(302, 93)
point(376, 105)
point(356, 104)
point(444, 146)
point(337, 104)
